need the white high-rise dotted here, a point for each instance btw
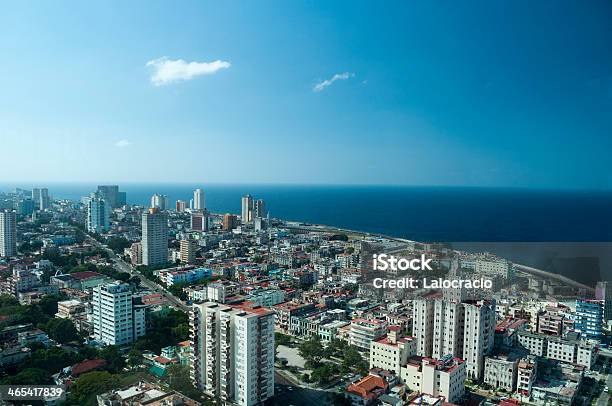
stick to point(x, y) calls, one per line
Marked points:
point(98, 213)
point(8, 233)
point(115, 318)
point(479, 333)
point(462, 329)
point(41, 198)
point(159, 202)
point(154, 237)
point(247, 209)
point(199, 200)
point(233, 352)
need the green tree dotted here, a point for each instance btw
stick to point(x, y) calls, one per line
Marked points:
point(312, 350)
point(177, 377)
point(115, 362)
point(135, 358)
point(62, 330)
point(28, 376)
point(84, 390)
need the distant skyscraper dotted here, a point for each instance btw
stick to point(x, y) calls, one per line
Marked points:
point(8, 233)
point(154, 237)
point(116, 319)
point(98, 213)
point(229, 222)
point(181, 205)
point(259, 209)
point(199, 220)
point(41, 198)
point(159, 202)
point(112, 195)
point(603, 291)
point(199, 201)
point(233, 352)
point(25, 207)
point(247, 209)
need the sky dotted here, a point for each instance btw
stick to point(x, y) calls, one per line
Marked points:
point(476, 93)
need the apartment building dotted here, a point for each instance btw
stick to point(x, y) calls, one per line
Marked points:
point(501, 371)
point(448, 332)
point(188, 250)
point(479, 335)
point(233, 352)
point(392, 351)
point(115, 317)
point(423, 326)
point(444, 377)
point(8, 233)
point(363, 332)
point(527, 371)
point(154, 237)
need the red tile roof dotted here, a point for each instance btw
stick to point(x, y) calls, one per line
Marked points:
point(87, 365)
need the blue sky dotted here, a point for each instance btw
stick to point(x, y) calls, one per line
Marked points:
point(505, 93)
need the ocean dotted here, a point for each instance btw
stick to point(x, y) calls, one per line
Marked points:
point(448, 214)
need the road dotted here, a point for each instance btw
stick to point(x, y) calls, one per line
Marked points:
point(125, 267)
point(604, 397)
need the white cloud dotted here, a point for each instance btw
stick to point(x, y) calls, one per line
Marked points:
point(328, 82)
point(123, 143)
point(167, 71)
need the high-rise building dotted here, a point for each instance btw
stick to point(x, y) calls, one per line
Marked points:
point(199, 220)
point(230, 222)
point(199, 202)
point(463, 329)
point(188, 250)
point(154, 237)
point(8, 233)
point(98, 213)
point(589, 318)
point(112, 195)
point(159, 202)
point(115, 317)
point(259, 209)
point(181, 205)
point(247, 209)
point(479, 333)
point(603, 291)
point(41, 198)
point(233, 352)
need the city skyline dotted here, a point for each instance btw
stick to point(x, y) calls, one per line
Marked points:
point(407, 94)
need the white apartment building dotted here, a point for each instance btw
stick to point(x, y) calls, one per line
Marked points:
point(188, 250)
point(8, 233)
point(199, 200)
point(500, 267)
point(98, 213)
point(423, 326)
point(501, 371)
point(478, 335)
point(534, 343)
point(114, 317)
point(233, 352)
point(247, 209)
point(154, 237)
point(392, 351)
point(448, 329)
point(363, 332)
point(159, 202)
point(526, 375)
point(444, 377)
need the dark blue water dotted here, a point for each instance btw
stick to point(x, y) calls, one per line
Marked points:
point(419, 213)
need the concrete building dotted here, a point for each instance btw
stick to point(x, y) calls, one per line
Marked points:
point(115, 318)
point(181, 206)
point(501, 371)
point(589, 318)
point(247, 209)
point(527, 372)
point(230, 222)
point(392, 351)
point(448, 332)
point(188, 250)
point(98, 214)
point(603, 291)
point(479, 335)
point(154, 237)
point(41, 198)
point(159, 202)
point(444, 377)
point(112, 195)
point(259, 209)
point(199, 220)
point(233, 352)
point(363, 332)
point(423, 326)
point(8, 233)
point(199, 202)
